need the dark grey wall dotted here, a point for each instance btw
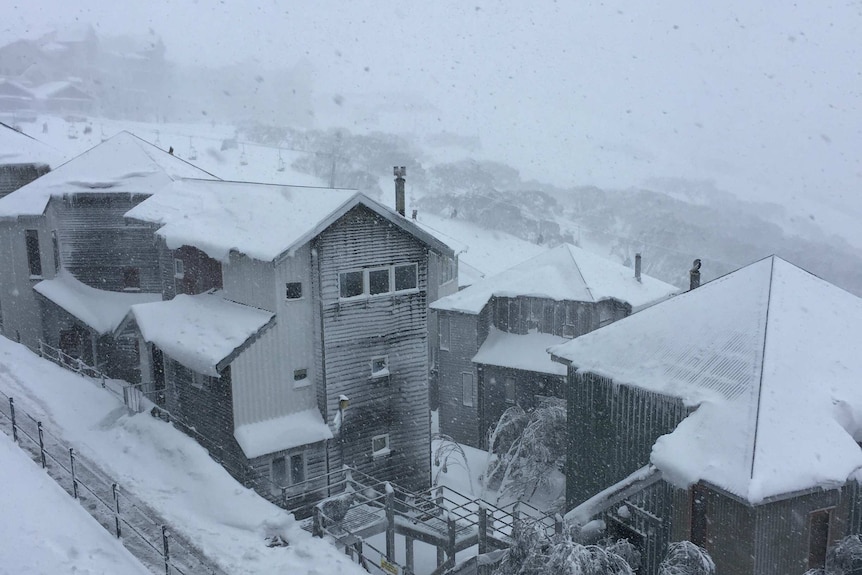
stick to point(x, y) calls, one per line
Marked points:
point(14, 176)
point(457, 420)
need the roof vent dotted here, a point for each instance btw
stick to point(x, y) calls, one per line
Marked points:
point(638, 267)
point(399, 188)
point(694, 275)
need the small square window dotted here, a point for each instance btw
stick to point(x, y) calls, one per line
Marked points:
point(198, 380)
point(380, 366)
point(293, 290)
point(380, 445)
point(131, 279)
point(350, 284)
point(300, 374)
point(406, 277)
point(179, 269)
point(378, 281)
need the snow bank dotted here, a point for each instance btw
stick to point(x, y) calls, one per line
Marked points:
point(46, 531)
point(165, 468)
point(564, 273)
point(769, 353)
point(199, 331)
point(526, 352)
point(99, 309)
point(281, 433)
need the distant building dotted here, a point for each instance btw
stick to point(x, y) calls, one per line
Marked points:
point(490, 352)
point(728, 416)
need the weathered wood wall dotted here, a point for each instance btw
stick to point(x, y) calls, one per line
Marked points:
point(14, 176)
point(459, 421)
point(355, 331)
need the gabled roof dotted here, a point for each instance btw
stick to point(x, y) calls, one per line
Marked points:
point(100, 310)
point(203, 332)
point(121, 164)
point(769, 354)
point(14, 90)
point(19, 148)
point(223, 217)
point(64, 89)
point(563, 273)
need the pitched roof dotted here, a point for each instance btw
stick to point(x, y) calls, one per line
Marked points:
point(563, 273)
point(204, 332)
point(223, 217)
point(101, 310)
point(769, 356)
point(282, 433)
point(123, 163)
point(19, 148)
point(525, 352)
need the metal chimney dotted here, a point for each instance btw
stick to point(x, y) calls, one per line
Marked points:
point(638, 267)
point(694, 275)
point(399, 188)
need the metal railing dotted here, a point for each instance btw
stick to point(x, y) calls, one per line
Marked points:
point(134, 524)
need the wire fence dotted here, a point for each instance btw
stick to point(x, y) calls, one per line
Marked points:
point(138, 527)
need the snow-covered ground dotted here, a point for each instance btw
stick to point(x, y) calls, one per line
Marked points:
point(159, 465)
point(46, 531)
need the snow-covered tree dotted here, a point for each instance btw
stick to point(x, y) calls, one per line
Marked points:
point(686, 558)
point(525, 449)
point(845, 558)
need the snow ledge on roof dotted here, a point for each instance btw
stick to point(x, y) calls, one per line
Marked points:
point(282, 433)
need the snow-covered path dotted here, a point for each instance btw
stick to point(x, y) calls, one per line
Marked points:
point(166, 469)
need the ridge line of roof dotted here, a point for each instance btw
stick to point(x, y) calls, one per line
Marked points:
point(580, 273)
point(223, 181)
point(147, 153)
point(762, 363)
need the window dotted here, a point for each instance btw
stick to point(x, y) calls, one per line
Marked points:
point(131, 279)
point(350, 284)
point(179, 269)
point(818, 537)
point(406, 277)
point(300, 374)
point(198, 380)
point(378, 281)
point(569, 329)
point(444, 332)
point(284, 476)
point(380, 366)
point(293, 290)
point(380, 445)
point(55, 247)
point(510, 390)
point(34, 258)
point(447, 269)
point(467, 389)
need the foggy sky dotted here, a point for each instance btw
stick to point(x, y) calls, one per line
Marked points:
point(762, 97)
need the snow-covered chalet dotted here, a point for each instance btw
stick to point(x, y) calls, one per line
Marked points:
point(493, 336)
point(729, 415)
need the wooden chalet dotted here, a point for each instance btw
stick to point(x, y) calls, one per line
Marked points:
point(728, 416)
point(293, 335)
point(72, 266)
point(493, 335)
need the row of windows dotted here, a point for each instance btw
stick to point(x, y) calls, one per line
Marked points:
point(378, 281)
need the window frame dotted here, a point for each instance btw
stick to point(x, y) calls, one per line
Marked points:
point(290, 481)
point(472, 394)
point(383, 451)
point(445, 343)
point(361, 294)
point(389, 283)
point(384, 371)
point(55, 250)
point(366, 281)
point(510, 390)
point(198, 380)
point(179, 269)
point(415, 267)
point(131, 272)
point(287, 291)
point(34, 253)
point(303, 381)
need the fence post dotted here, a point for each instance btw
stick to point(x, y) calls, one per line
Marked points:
point(284, 497)
point(166, 549)
point(516, 519)
point(483, 528)
point(316, 522)
point(74, 481)
point(41, 444)
point(450, 545)
point(116, 492)
point(390, 522)
point(14, 426)
point(558, 524)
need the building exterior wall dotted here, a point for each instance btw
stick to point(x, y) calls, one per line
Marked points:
point(457, 420)
point(14, 176)
point(309, 492)
point(250, 282)
point(357, 330)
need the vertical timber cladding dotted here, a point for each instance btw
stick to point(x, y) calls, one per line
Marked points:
point(611, 431)
point(457, 420)
point(388, 325)
point(97, 243)
point(14, 176)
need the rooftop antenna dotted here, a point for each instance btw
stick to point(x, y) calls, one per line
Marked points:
point(242, 159)
point(193, 153)
point(280, 167)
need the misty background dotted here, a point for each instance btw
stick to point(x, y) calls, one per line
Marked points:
point(722, 130)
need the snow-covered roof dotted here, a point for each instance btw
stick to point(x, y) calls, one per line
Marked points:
point(204, 332)
point(18, 148)
point(527, 352)
point(14, 90)
point(281, 433)
point(563, 273)
point(99, 309)
point(123, 163)
point(223, 217)
point(62, 88)
point(769, 354)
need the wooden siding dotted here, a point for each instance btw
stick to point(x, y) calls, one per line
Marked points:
point(201, 273)
point(250, 282)
point(97, 244)
point(14, 176)
point(459, 421)
point(260, 475)
point(612, 429)
point(394, 325)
